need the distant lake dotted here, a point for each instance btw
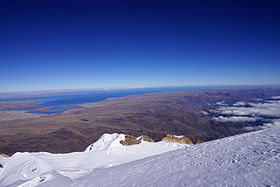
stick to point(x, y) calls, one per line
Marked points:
point(60, 103)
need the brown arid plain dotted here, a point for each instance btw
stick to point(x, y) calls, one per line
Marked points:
point(155, 115)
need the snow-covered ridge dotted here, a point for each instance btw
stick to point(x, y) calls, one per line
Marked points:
point(251, 159)
point(106, 141)
point(36, 168)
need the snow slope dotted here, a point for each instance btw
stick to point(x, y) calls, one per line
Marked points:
point(251, 159)
point(3, 161)
point(29, 169)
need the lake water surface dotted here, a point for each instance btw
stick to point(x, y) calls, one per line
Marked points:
point(70, 100)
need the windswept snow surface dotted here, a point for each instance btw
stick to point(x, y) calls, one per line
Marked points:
point(3, 161)
point(31, 169)
point(251, 159)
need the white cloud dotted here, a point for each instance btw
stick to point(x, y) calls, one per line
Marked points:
point(258, 99)
point(275, 97)
point(252, 112)
point(239, 104)
point(204, 112)
point(236, 119)
point(222, 103)
point(274, 123)
point(271, 109)
point(252, 128)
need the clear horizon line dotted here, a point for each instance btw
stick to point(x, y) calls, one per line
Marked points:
point(134, 87)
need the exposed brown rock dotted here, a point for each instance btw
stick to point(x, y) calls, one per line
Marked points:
point(199, 142)
point(130, 140)
point(146, 138)
point(181, 139)
point(1, 166)
point(3, 155)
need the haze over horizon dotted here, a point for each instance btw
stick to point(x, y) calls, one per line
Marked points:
point(46, 45)
point(161, 88)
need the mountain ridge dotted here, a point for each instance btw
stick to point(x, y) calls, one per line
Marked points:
point(251, 159)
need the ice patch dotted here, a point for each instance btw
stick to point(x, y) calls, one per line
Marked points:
point(181, 136)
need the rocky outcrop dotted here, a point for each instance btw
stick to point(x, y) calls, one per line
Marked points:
point(145, 138)
point(1, 166)
point(3, 155)
point(177, 139)
point(130, 140)
point(199, 142)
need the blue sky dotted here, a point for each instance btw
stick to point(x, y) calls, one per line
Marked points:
point(92, 44)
